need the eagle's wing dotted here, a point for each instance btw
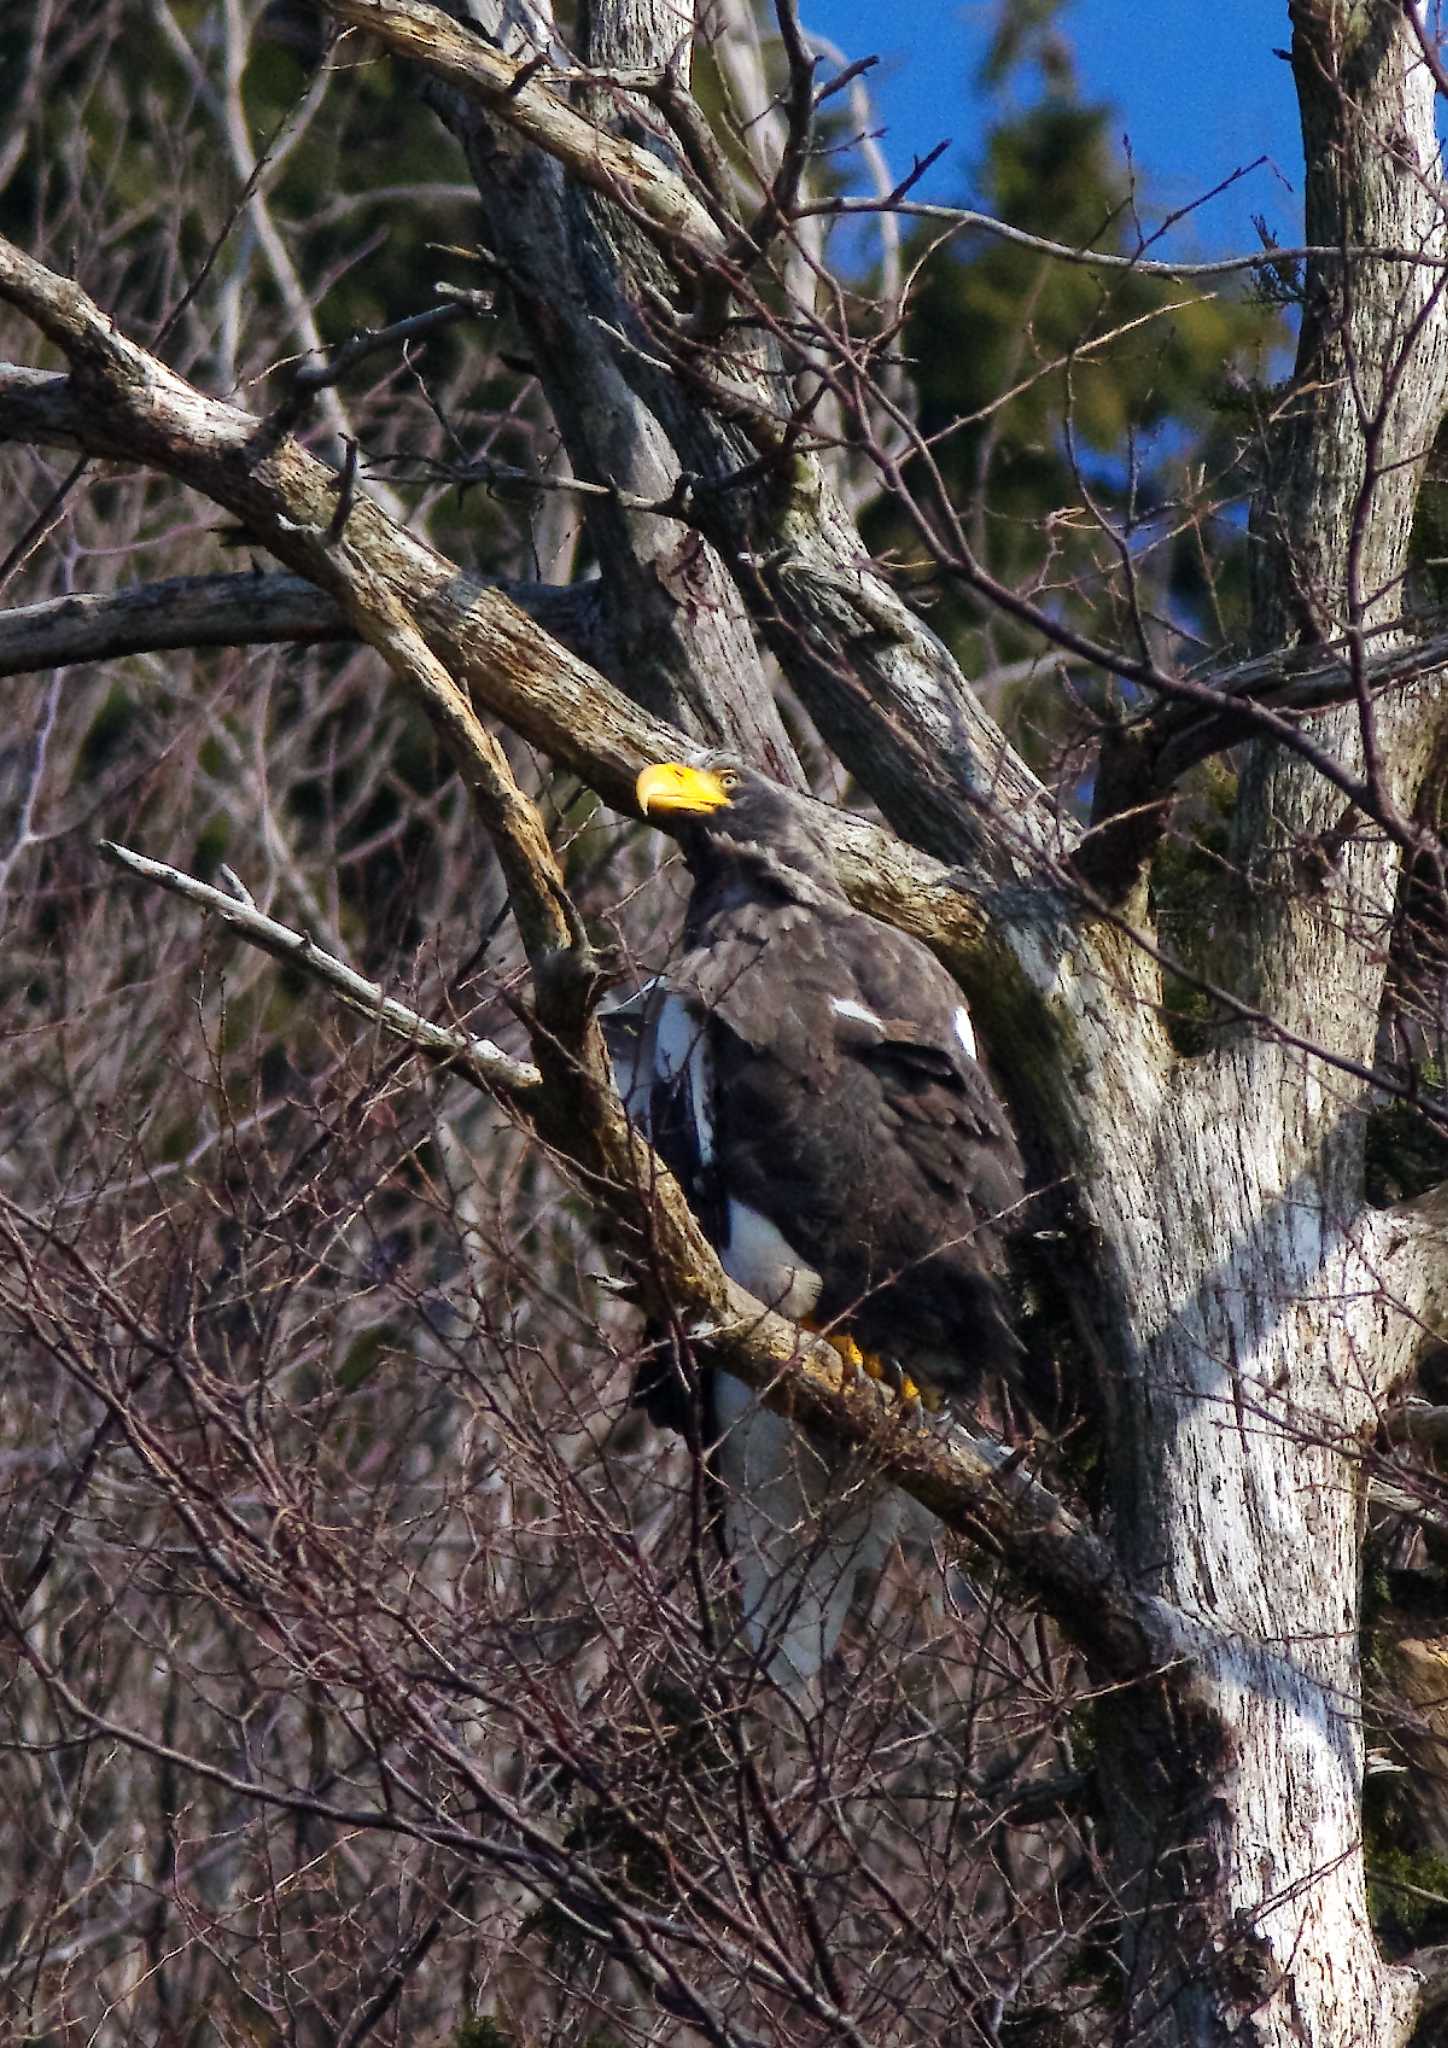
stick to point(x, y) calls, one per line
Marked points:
point(855, 1117)
point(944, 1112)
point(798, 1528)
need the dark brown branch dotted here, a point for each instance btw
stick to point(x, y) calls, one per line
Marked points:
point(372, 341)
point(1143, 761)
point(182, 611)
point(843, 79)
point(260, 609)
point(782, 199)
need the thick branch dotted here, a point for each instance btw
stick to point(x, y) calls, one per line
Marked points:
point(622, 170)
point(248, 610)
point(1412, 1264)
point(182, 611)
point(144, 412)
point(1295, 684)
point(1142, 762)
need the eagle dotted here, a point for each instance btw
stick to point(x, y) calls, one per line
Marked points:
point(810, 1076)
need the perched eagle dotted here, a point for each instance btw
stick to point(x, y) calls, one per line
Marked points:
point(810, 1076)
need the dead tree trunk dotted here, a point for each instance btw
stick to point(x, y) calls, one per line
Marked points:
point(1249, 1318)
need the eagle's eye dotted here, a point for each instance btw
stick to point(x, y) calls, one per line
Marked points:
point(729, 778)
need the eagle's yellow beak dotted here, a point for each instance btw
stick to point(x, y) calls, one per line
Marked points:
point(671, 786)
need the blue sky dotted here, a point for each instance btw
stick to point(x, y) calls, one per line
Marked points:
point(1194, 85)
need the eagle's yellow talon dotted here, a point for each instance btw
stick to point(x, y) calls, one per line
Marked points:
point(844, 1347)
point(855, 1359)
point(879, 1370)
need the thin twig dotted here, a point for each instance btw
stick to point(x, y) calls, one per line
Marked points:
point(480, 1059)
point(373, 340)
point(1111, 259)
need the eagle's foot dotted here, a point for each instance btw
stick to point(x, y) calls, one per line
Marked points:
point(912, 1392)
point(886, 1372)
point(851, 1357)
point(845, 1349)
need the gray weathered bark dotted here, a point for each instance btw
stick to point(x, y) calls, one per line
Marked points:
point(1248, 1305)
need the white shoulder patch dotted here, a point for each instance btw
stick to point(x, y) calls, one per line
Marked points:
point(627, 1024)
point(676, 1032)
point(843, 1007)
point(681, 1047)
point(965, 1031)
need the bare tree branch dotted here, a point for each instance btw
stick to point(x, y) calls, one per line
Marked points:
point(621, 170)
point(257, 609)
point(1110, 259)
point(483, 1062)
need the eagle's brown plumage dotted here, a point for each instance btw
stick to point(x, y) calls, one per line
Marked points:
point(809, 1075)
point(847, 1106)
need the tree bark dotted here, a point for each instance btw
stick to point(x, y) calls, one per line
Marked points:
point(1253, 1336)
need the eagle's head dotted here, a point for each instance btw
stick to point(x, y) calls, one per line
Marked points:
point(733, 816)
